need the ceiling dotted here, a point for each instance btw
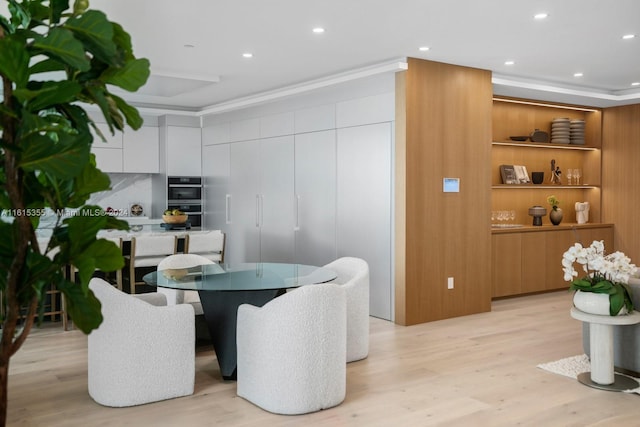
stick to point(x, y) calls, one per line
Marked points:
point(196, 46)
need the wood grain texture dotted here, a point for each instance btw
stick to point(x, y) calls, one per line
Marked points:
point(621, 176)
point(529, 260)
point(448, 134)
point(477, 370)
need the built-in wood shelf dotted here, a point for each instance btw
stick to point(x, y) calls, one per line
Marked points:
point(548, 145)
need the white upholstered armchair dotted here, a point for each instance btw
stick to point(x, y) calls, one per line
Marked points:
point(143, 351)
point(291, 351)
point(353, 276)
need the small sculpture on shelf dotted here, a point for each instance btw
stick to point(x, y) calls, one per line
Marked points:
point(555, 173)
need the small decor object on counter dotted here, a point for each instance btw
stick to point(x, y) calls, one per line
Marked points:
point(555, 216)
point(537, 212)
point(174, 216)
point(136, 209)
point(537, 177)
point(605, 275)
point(582, 212)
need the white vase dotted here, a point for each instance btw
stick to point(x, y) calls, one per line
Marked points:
point(593, 303)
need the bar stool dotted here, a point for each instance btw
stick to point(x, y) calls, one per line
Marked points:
point(209, 245)
point(148, 251)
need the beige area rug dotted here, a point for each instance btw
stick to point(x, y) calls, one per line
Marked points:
point(573, 366)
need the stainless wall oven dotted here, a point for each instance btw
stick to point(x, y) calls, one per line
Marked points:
point(185, 193)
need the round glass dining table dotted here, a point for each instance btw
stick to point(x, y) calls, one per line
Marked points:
point(224, 287)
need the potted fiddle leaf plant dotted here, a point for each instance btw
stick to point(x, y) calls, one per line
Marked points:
point(54, 60)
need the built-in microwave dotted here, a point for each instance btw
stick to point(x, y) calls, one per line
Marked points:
point(181, 188)
point(193, 210)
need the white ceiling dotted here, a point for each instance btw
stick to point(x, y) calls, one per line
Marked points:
point(578, 36)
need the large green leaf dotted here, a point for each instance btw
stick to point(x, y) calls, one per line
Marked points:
point(61, 44)
point(49, 94)
point(131, 77)
point(96, 32)
point(60, 160)
point(131, 114)
point(91, 180)
point(123, 40)
point(14, 62)
point(84, 226)
point(84, 308)
point(48, 65)
point(57, 8)
point(101, 254)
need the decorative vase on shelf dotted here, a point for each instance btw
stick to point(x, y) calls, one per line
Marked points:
point(555, 216)
point(593, 303)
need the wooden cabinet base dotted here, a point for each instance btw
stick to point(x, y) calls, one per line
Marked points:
point(529, 259)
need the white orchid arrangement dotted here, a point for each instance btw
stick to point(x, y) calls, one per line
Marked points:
point(605, 274)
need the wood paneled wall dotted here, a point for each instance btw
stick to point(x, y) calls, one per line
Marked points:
point(621, 177)
point(443, 123)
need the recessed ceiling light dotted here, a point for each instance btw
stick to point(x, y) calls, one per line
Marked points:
point(635, 84)
point(578, 75)
point(628, 36)
point(509, 62)
point(424, 48)
point(247, 55)
point(318, 30)
point(541, 15)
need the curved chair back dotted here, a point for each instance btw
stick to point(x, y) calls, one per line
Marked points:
point(353, 275)
point(140, 353)
point(291, 351)
point(178, 296)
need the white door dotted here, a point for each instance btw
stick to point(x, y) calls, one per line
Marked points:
point(315, 197)
point(276, 200)
point(364, 206)
point(244, 203)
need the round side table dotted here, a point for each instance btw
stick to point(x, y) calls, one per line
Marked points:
point(602, 375)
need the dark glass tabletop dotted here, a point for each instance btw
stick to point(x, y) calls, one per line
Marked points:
point(240, 277)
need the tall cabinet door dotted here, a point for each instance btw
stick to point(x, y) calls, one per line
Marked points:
point(364, 206)
point(315, 197)
point(244, 203)
point(276, 207)
point(216, 197)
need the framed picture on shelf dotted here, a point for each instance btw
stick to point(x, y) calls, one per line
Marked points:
point(508, 174)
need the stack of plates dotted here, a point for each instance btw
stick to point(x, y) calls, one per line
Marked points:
point(577, 132)
point(561, 131)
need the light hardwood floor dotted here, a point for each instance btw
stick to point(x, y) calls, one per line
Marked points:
point(477, 370)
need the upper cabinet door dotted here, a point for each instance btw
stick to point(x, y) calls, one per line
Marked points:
point(111, 141)
point(184, 151)
point(141, 152)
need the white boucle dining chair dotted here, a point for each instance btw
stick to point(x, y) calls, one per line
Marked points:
point(353, 275)
point(179, 296)
point(143, 351)
point(291, 351)
point(148, 251)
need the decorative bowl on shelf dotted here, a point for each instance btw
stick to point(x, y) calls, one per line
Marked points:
point(175, 219)
point(519, 138)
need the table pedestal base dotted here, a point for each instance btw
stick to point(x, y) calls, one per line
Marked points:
point(620, 383)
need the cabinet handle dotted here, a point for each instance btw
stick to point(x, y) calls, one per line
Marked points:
point(227, 208)
point(258, 210)
point(297, 213)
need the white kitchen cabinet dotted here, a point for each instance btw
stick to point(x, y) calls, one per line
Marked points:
point(109, 152)
point(215, 180)
point(141, 150)
point(108, 159)
point(315, 197)
point(184, 151)
point(364, 206)
point(259, 204)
